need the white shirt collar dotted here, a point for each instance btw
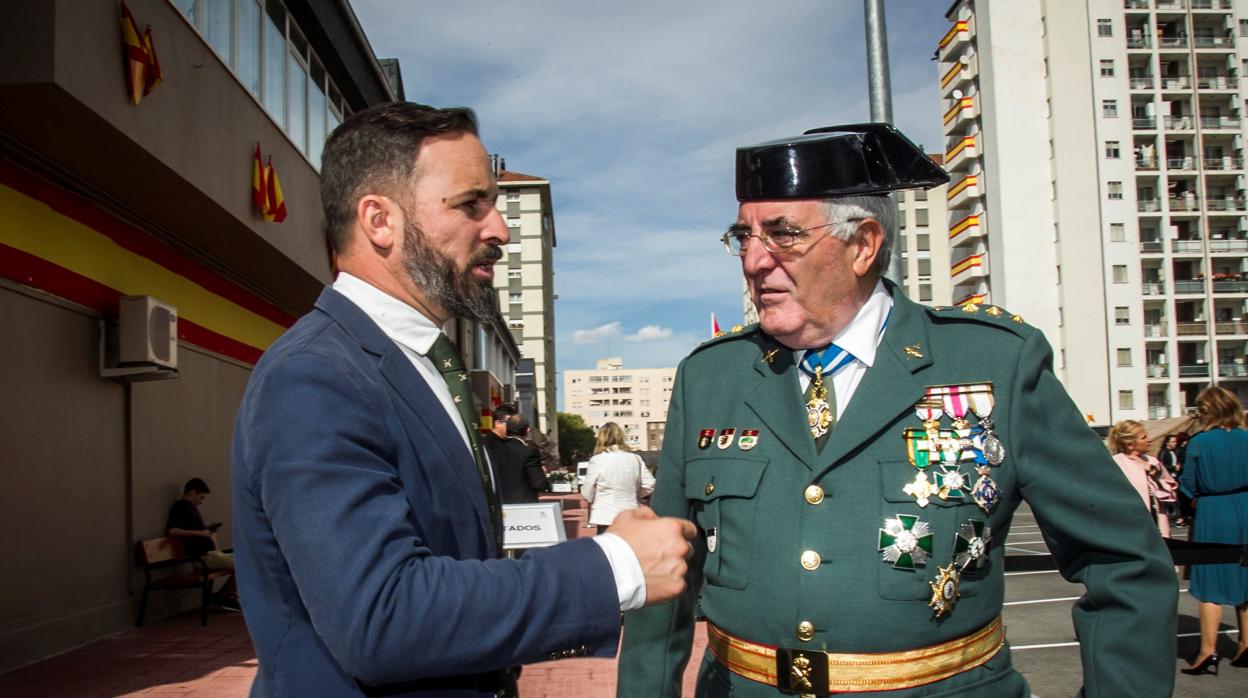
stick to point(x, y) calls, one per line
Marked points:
point(862, 336)
point(400, 321)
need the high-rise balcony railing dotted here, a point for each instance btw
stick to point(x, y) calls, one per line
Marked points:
point(1211, 4)
point(1191, 329)
point(1144, 123)
point(1224, 163)
point(1225, 204)
point(1187, 163)
point(1213, 42)
point(1230, 327)
point(1178, 82)
point(1152, 288)
point(1230, 286)
point(1138, 42)
point(1215, 82)
point(1150, 246)
point(1172, 42)
point(1146, 163)
point(1189, 286)
point(1178, 123)
point(1184, 203)
point(1158, 411)
point(1228, 245)
point(1158, 371)
point(1171, 4)
point(1232, 369)
point(1194, 371)
point(1186, 246)
point(1148, 205)
point(1155, 330)
point(1218, 122)
point(1144, 82)
point(1135, 4)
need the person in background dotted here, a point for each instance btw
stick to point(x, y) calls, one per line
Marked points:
point(518, 463)
point(1215, 476)
point(1129, 442)
point(616, 478)
point(186, 522)
point(1169, 457)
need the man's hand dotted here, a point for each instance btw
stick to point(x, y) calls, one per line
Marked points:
point(662, 547)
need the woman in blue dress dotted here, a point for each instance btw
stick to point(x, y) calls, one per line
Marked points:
point(1215, 473)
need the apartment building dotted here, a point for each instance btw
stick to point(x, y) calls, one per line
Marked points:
point(636, 399)
point(1096, 150)
point(525, 279)
point(923, 233)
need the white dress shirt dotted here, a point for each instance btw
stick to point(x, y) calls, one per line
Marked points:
point(861, 338)
point(415, 334)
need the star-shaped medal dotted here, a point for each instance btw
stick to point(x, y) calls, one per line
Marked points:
point(985, 493)
point(921, 489)
point(970, 547)
point(945, 590)
point(951, 483)
point(905, 541)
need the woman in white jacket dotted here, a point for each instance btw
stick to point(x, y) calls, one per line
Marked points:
point(616, 478)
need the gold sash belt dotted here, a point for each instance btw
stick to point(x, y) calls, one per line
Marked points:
point(818, 673)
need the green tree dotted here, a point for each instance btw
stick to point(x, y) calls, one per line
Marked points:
point(576, 440)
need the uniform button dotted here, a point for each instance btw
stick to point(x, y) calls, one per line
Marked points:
point(814, 494)
point(811, 560)
point(805, 631)
point(710, 487)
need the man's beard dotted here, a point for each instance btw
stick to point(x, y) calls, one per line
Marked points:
point(455, 291)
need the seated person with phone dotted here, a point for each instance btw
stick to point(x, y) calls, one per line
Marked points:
point(186, 522)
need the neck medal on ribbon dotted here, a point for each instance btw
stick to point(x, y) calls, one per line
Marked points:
point(818, 411)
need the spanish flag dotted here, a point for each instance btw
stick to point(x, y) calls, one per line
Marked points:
point(276, 204)
point(259, 192)
point(154, 74)
point(136, 55)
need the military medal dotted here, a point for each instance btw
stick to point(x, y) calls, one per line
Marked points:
point(725, 438)
point(951, 483)
point(982, 402)
point(955, 402)
point(929, 410)
point(748, 440)
point(905, 541)
point(918, 448)
point(818, 411)
point(985, 492)
point(921, 489)
point(945, 590)
point(705, 437)
point(970, 545)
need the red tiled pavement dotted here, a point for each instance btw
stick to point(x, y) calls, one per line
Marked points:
point(179, 658)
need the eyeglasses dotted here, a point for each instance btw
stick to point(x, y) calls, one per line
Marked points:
point(776, 240)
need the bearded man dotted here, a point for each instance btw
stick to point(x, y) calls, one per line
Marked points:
point(367, 523)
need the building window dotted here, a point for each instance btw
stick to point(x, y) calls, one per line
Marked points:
point(923, 242)
point(920, 195)
point(1107, 69)
point(515, 297)
point(513, 273)
point(1109, 108)
point(1112, 150)
point(1126, 399)
point(513, 195)
point(920, 217)
point(1117, 232)
point(1115, 191)
point(1243, 27)
point(1104, 27)
point(925, 267)
point(1120, 273)
point(518, 325)
point(1122, 315)
point(925, 293)
point(1124, 356)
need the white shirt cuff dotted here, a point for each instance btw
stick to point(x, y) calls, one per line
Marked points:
point(630, 581)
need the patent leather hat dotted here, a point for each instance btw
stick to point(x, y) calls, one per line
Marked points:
point(848, 160)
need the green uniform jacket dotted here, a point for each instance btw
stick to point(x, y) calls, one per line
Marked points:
point(753, 584)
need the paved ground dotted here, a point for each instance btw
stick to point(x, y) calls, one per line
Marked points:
point(179, 658)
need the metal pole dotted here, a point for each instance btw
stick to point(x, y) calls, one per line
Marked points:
point(881, 98)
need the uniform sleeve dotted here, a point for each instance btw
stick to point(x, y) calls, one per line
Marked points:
point(1099, 534)
point(316, 449)
point(658, 639)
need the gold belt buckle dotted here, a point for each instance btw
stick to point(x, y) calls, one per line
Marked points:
point(801, 672)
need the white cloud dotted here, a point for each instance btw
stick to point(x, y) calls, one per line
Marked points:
point(650, 333)
point(601, 333)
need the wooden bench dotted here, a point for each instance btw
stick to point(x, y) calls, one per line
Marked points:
point(161, 553)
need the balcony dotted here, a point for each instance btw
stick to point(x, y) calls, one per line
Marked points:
point(1179, 82)
point(1188, 286)
point(1150, 246)
point(961, 155)
point(1155, 330)
point(1212, 4)
point(1138, 41)
point(1187, 163)
point(1230, 286)
point(1178, 123)
point(1148, 205)
point(1225, 204)
point(957, 37)
point(1144, 123)
point(966, 230)
point(1186, 246)
point(1184, 203)
point(1158, 411)
point(1228, 245)
point(1146, 163)
point(964, 111)
point(1144, 82)
point(1170, 5)
point(973, 267)
point(1158, 371)
point(1191, 329)
point(1194, 371)
point(1152, 288)
point(1215, 82)
point(1219, 123)
point(962, 70)
point(1224, 43)
point(1135, 4)
point(964, 191)
point(1232, 369)
point(1230, 327)
point(1171, 42)
point(1224, 163)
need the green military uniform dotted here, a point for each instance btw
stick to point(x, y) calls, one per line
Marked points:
point(781, 563)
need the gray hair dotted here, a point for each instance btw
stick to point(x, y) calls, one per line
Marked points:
point(881, 207)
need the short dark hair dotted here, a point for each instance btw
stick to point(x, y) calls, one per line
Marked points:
point(504, 411)
point(196, 485)
point(375, 151)
point(517, 425)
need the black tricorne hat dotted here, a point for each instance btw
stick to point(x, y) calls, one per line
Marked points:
point(848, 160)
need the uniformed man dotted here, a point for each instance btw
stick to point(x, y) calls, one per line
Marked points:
point(854, 461)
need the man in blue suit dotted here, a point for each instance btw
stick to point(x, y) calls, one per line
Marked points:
point(367, 534)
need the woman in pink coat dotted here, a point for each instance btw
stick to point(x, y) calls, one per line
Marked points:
point(1129, 442)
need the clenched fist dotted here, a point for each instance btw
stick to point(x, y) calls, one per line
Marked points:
point(662, 547)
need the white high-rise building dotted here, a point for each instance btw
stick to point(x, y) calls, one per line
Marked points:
point(923, 233)
point(636, 399)
point(1096, 150)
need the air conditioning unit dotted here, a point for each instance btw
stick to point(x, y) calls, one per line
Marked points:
point(148, 333)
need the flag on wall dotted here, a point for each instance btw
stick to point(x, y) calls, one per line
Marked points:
point(259, 193)
point(143, 71)
point(276, 203)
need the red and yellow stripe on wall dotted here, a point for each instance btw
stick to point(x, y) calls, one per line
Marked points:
point(958, 26)
point(964, 224)
point(975, 260)
point(63, 244)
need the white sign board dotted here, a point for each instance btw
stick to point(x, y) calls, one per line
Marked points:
point(533, 525)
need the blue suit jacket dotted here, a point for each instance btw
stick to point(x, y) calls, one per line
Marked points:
point(362, 540)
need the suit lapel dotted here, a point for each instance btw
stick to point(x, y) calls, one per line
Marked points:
point(414, 392)
point(890, 387)
point(777, 400)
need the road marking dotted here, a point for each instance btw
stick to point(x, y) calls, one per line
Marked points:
point(1023, 603)
point(1024, 551)
point(1012, 574)
point(1017, 648)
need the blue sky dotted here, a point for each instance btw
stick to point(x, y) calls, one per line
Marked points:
point(633, 112)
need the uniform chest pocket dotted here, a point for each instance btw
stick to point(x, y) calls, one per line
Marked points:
point(942, 519)
point(722, 493)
